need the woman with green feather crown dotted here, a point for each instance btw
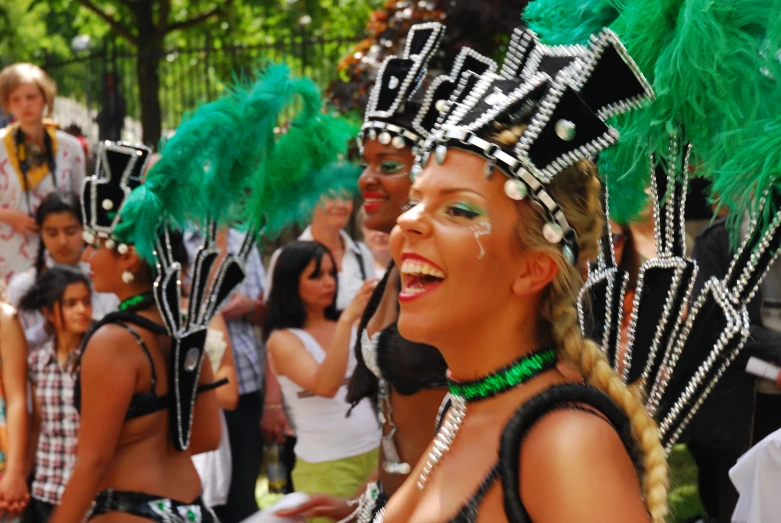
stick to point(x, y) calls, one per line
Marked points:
point(509, 167)
point(144, 389)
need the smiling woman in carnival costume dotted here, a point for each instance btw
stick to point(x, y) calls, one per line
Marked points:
point(143, 390)
point(406, 378)
point(507, 193)
point(536, 125)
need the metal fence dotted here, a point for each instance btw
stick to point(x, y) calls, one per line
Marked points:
point(102, 85)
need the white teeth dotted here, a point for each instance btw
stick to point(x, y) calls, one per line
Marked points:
point(420, 267)
point(413, 290)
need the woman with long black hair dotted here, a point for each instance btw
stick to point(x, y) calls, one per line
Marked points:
point(309, 347)
point(63, 296)
point(60, 229)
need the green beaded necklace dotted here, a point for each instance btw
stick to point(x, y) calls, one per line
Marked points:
point(464, 392)
point(136, 302)
point(505, 378)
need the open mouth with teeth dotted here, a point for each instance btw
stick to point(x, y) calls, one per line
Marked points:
point(419, 277)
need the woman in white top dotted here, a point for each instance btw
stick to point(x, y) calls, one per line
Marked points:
point(36, 159)
point(309, 348)
point(59, 221)
point(354, 261)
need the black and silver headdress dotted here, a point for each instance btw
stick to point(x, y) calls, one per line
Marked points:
point(679, 345)
point(389, 115)
point(210, 289)
point(564, 114)
point(120, 169)
point(396, 114)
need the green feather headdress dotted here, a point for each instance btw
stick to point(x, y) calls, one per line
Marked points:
point(717, 85)
point(304, 158)
point(229, 162)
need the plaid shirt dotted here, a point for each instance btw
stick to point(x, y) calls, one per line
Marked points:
point(56, 452)
point(249, 352)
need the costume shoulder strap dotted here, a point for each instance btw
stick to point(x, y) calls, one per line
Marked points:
point(125, 317)
point(570, 396)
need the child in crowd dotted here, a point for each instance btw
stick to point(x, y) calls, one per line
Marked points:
point(62, 294)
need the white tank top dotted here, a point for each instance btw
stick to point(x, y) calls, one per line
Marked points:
point(324, 432)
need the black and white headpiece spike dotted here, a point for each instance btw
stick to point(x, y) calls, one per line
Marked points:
point(120, 169)
point(210, 289)
point(527, 56)
point(679, 344)
point(387, 116)
point(566, 116)
point(435, 101)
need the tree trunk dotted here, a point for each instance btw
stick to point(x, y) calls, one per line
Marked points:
point(148, 54)
point(147, 68)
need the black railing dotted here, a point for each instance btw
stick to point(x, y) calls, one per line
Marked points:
point(188, 76)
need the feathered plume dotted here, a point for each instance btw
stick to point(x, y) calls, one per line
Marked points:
point(295, 168)
point(181, 186)
point(557, 22)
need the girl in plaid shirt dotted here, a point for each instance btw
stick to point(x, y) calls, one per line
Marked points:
point(63, 295)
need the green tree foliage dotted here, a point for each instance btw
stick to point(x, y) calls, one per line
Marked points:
point(152, 30)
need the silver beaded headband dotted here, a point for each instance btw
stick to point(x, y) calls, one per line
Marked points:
point(567, 124)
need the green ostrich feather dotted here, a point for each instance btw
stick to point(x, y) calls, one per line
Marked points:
point(714, 68)
point(296, 166)
point(559, 22)
point(229, 162)
point(753, 169)
point(189, 182)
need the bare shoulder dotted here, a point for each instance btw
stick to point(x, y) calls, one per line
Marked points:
point(582, 454)
point(109, 346)
point(7, 312)
point(572, 435)
point(282, 340)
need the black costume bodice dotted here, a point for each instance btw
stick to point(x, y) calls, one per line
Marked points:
point(408, 367)
point(142, 403)
point(571, 396)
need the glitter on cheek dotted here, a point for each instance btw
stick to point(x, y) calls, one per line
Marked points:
point(481, 229)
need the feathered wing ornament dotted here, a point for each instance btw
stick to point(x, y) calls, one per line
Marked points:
point(571, 22)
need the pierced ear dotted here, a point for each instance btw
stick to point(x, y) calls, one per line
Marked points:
point(130, 261)
point(536, 273)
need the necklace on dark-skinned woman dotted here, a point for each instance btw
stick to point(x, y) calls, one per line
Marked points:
point(137, 302)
